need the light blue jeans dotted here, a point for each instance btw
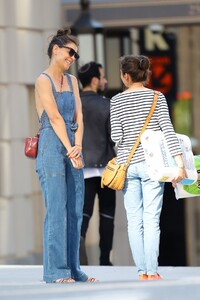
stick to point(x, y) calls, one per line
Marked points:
point(143, 200)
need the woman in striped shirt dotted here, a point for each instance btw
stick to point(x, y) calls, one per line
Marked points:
point(142, 196)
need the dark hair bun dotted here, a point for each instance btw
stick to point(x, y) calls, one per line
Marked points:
point(63, 31)
point(144, 63)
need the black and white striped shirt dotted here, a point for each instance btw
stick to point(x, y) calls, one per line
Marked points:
point(129, 111)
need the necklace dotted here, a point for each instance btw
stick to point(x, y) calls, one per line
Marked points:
point(60, 82)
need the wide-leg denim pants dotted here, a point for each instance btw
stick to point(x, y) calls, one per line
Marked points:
point(63, 192)
point(143, 200)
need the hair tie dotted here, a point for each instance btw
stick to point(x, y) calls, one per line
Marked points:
point(141, 63)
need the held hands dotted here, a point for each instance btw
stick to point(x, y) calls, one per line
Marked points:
point(180, 176)
point(74, 153)
point(77, 162)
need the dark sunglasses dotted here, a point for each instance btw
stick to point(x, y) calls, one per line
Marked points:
point(72, 52)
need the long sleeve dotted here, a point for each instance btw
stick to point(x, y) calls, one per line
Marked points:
point(167, 127)
point(116, 126)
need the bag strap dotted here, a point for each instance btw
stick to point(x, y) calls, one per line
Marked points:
point(155, 98)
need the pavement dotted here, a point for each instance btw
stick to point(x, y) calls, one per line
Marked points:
point(25, 282)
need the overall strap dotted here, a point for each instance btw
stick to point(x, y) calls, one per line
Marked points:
point(53, 86)
point(56, 98)
point(69, 81)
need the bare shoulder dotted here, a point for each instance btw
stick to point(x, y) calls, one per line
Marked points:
point(74, 83)
point(73, 78)
point(42, 78)
point(41, 81)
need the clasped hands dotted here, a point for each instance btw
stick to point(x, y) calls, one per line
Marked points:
point(74, 153)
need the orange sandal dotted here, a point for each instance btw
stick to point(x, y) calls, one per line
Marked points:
point(155, 277)
point(143, 276)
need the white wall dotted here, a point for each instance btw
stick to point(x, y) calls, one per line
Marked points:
point(24, 28)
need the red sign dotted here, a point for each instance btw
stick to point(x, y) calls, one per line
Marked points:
point(162, 75)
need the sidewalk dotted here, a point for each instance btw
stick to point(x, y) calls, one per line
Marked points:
point(116, 283)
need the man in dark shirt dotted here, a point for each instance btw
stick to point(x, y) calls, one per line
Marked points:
point(98, 149)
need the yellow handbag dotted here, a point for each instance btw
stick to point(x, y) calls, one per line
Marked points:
point(114, 174)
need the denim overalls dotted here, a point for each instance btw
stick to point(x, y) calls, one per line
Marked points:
point(63, 192)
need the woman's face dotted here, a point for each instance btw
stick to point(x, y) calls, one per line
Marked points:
point(66, 55)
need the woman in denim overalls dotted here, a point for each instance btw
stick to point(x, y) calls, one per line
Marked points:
point(59, 161)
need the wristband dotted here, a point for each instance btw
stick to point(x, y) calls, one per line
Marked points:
point(181, 167)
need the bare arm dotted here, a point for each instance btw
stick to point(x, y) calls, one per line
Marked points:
point(46, 101)
point(75, 153)
point(78, 113)
point(181, 170)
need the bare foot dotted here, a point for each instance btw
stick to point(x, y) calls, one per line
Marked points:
point(91, 279)
point(64, 280)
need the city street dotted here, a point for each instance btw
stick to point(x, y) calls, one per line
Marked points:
point(25, 282)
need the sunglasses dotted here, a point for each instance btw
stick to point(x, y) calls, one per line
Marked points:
point(72, 52)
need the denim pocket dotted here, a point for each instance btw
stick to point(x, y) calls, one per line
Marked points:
point(44, 140)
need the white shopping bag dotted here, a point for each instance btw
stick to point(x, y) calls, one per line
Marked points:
point(161, 165)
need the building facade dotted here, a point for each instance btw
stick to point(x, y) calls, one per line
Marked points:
point(25, 26)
